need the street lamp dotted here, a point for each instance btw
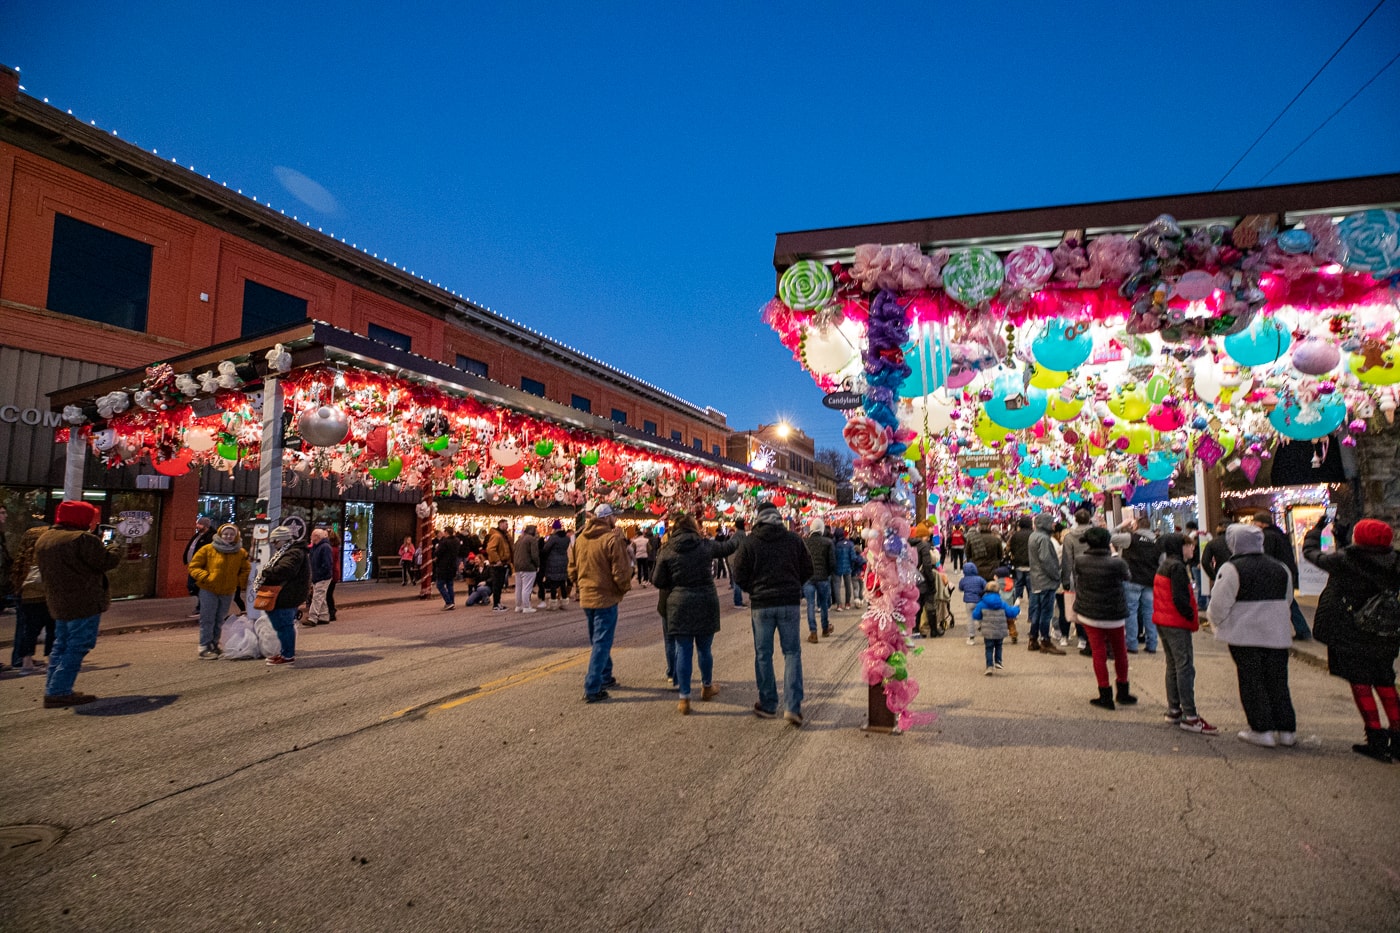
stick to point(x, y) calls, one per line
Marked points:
point(784, 429)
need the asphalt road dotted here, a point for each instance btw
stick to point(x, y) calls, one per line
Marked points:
point(422, 770)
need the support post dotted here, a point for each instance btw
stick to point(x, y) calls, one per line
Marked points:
point(270, 463)
point(878, 717)
point(75, 458)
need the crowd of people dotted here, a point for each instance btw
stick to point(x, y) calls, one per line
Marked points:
point(1121, 592)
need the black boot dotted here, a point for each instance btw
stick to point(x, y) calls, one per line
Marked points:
point(1124, 697)
point(1395, 743)
point(1377, 745)
point(1105, 698)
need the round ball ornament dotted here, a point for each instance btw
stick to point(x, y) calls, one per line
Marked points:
point(929, 362)
point(1159, 466)
point(1132, 438)
point(1013, 406)
point(1259, 344)
point(988, 431)
point(1195, 285)
point(806, 286)
point(506, 452)
point(199, 440)
point(1063, 409)
point(1296, 242)
point(1062, 346)
point(826, 350)
point(1130, 404)
point(388, 472)
point(972, 276)
point(1315, 356)
point(1327, 415)
point(324, 426)
point(1048, 378)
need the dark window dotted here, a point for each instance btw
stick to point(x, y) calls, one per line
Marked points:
point(99, 275)
point(697, 443)
point(392, 337)
point(619, 416)
point(581, 403)
point(534, 387)
point(649, 427)
point(266, 309)
point(469, 365)
point(715, 450)
point(677, 437)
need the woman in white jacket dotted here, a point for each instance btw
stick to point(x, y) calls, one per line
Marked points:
point(1249, 609)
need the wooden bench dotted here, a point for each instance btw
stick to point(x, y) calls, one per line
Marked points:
point(389, 566)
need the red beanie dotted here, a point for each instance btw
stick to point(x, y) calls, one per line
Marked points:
point(1371, 532)
point(76, 514)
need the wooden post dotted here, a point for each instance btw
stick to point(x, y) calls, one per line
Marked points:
point(878, 717)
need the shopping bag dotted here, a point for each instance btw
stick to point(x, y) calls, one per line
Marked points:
point(240, 640)
point(269, 645)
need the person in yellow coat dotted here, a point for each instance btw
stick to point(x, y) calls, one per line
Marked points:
point(219, 569)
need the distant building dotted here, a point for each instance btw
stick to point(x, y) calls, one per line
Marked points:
point(784, 452)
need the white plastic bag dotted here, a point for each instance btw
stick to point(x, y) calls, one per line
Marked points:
point(240, 640)
point(268, 642)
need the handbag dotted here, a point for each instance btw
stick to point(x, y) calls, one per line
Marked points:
point(266, 597)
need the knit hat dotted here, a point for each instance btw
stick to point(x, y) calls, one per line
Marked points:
point(282, 533)
point(919, 531)
point(766, 507)
point(1372, 532)
point(603, 511)
point(558, 525)
point(76, 514)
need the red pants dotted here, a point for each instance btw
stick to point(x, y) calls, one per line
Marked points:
point(1100, 640)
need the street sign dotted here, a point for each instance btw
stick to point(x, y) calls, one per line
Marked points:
point(842, 400)
point(979, 460)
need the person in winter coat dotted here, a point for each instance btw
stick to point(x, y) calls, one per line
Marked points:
point(688, 601)
point(772, 564)
point(1072, 547)
point(32, 612)
point(1213, 557)
point(927, 582)
point(408, 561)
point(971, 586)
point(984, 547)
point(1044, 582)
point(554, 566)
point(844, 552)
point(322, 560)
point(601, 568)
point(957, 542)
point(500, 551)
point(738, 536)
point(290, 568)
point(203, 534)
point(73, 564)
point(1279, 546)
point(527, 566)
point(1103, 610)
point(1355, 574)
point(1249, 612)
point(817, 590)
point(991, 615)
point(1175, 613)
point(1138, 546)
point(445, 561)
point(1018, 549)
point(219, 569)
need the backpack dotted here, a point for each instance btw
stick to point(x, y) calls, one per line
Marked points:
point(1379, 616)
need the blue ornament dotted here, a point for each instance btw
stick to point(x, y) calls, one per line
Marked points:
point(1159, 466)
point(1259, 344)
point(1038, 490)
point(1296, 242)
point(1014, 406)
point(1331, 411)
point(1053, 475)
point(1062, 346)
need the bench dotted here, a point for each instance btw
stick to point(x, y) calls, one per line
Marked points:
point(389, 567)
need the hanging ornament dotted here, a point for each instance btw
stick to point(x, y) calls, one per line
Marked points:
point(324, 426)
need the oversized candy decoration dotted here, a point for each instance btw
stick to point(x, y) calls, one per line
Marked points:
point(588, 458)
point(973, 276)
point(1315, 356)
point(1158, 388)
point(929, 361)
point(544, 448)
point(1296, 242)
point(827, 350)
point(1259, 344)
point(1195, 285)
point(1375, 365)
point(323, 426)
point(1310, 422)
point(387, 473)
point(1371, 242)
point(806, 286)
point(1014, 406)
point(506, 452)
point(1028, 268)
point(1063, 346)
point(867, 438)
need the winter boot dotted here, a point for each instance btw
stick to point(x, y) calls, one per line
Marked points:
point(1105, 698)
point(1377, 745)
point(1124, 697)
point(1048, 646)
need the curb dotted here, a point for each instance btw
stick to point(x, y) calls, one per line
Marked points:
point(1308, 658)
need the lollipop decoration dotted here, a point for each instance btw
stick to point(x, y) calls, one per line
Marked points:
point(1371, 242)
point(1028, 268)
point(806, 286)
point(973, 276)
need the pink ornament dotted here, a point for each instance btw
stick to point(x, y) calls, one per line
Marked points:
point(1315, 356)
point(1028, 268)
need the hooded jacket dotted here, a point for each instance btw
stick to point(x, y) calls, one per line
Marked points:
point(972, 586)
point(1252, 592)
point(23, 563)
point(289, 568)
point(1072, 547)
point(1173, 596)
point(991, 614)
point(1354, 574)
point(1044, 562)
point(1141, 552)
point(527, 552)
point(685, 582)
point(554, 556)
point(322, 559)
point(1098, 588)
point(1214, 556)
point(1019, 547)
point(771, 565)
point(845, 554)
point(600, 565)
point(823, 554)
point(74, 564)
point(445, 557)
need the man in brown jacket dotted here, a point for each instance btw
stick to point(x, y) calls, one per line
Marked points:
point(499, 552)
point(601, 571)
point(73, 564)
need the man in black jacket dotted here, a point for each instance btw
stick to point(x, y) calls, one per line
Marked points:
point(1279, 546)
point(1138, 546)
point(1019, 548)
point(817, 590)
point(771, 565)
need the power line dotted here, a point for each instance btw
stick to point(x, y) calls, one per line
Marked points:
point(1384, 69)
point(1289, 105)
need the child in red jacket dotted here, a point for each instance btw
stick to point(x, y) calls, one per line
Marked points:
point(1175, 614)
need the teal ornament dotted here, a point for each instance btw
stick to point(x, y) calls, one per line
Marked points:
point(1159, 466)
point(1371, 241)
point(929, 359)
point(1038, 490)
point(1259, 344)
point(978, 472)
point(1063, 346)
point(1053, 475)
point(1327, 415)
point(1296, 242)
point(1014, 406)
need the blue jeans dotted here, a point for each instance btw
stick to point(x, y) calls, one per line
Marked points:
point(818, 595)
point(738, 595)
point(1042, 611)
point(602, 626)
point(447, 590)
point(993, 646)
point(785, 620)
point(687, 646)
point(1139, 618)
point(213, 609)
point(1021, 583)
point(30, 620)
point(284, 623)
point(73, 639)
point(1300, 621)
point(670, 645)
point(845, 591)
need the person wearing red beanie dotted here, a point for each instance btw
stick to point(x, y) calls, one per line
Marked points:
point(73, 564)
point(1355, 574)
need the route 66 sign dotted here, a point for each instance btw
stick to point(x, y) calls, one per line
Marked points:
point(131, 525)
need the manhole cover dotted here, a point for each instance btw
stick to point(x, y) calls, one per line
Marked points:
point(21, 843)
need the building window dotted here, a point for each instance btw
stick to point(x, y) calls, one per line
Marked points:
point(649, 427)
point(392, 337)
point(469, 365)
point(533, 386)
point(619, 416)
point(677, 437)
point(698, 443)
point(581, 403)
point(266, 309)
point(99, 275)
point(715, 450)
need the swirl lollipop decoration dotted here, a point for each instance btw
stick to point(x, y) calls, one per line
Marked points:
point(806, 286)
point(1028, 268)
point(1371, 242)
point(973, 276)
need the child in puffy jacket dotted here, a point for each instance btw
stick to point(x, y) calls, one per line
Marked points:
point(1006, 576)
point(971, 586)
point(992, 617)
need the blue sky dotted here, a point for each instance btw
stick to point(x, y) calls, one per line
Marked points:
point(614, 174)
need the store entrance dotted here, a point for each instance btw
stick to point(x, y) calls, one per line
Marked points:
point(358, 544)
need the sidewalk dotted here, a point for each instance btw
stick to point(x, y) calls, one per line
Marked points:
point(142, 615)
